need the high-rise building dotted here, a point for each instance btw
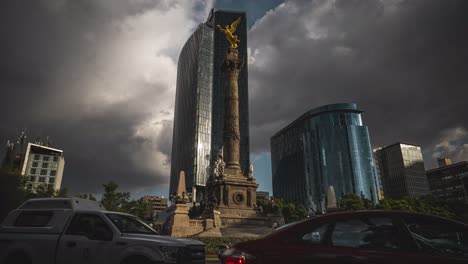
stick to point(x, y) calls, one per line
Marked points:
point(262, 195)
point(401, 170)
point(378, 177)
point(449, 181)
point(199, 105)
point(326, 146)
point(41, 164)
point(156, 205)
point(444, 162)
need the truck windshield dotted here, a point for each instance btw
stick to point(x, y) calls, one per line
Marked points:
point(130, 224)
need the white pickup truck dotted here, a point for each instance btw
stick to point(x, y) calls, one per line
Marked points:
point(75, 231)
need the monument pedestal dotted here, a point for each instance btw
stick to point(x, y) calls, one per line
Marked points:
point(179, 221)
point(235, 196)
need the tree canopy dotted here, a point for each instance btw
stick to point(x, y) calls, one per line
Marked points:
point(113, 200)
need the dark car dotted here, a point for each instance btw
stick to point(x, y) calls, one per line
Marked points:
point(377, 237)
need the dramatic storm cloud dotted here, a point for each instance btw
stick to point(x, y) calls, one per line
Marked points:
point(403, 62)
point(99, 78)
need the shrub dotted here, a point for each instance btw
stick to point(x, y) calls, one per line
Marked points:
point(212, 243)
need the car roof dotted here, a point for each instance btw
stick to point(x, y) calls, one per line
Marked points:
point(75, 204)
point(336, 215)
point(340, 214)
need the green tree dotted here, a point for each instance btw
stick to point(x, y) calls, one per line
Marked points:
point(63, 193)
point(392, 204)
point(113, 200)
point(292, 212)
point(264, 203)
point(44, 191)
point(137, 207)
point(14, 191)
point(425, 204)
point(351, 201)
point(88, 196)
point(11, 194)
point(271, 206)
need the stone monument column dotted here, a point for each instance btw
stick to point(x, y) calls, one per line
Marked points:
point(231, 67)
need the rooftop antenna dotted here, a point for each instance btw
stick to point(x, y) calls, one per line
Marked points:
point(21, 140)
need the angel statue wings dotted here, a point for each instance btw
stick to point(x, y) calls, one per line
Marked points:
point(229, 30)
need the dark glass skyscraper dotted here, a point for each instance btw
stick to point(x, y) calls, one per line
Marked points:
point(327, 146)
point(199, 106)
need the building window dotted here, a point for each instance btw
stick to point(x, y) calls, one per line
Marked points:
point(45, 165)
point(45, 158)
point(51, 180)
point(32, 171)
point(56, 158)
point(34, 164)
point(36, 157)
point(53, 173)
point(53, 165)
point(41, 179)
point(43, 172)
point(32, 178)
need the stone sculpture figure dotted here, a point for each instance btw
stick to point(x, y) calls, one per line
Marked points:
point(229, 30)
point(215, 169)
point(221, 153)
point(250, 171)
point(222, 164)
point(218, 166)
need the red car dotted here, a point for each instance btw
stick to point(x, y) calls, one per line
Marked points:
point(377, 237)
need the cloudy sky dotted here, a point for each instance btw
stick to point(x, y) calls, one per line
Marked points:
point(99, 77)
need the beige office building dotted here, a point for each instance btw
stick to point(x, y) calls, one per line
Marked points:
point(43, 165)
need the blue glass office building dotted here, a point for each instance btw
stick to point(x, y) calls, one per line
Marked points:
point(199, 105)
point(327, 146)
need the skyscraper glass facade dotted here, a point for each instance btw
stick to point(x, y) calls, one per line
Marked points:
point(401, 169)
point(199, 106)
point(327, 146)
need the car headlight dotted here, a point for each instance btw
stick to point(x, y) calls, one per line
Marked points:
point(170, 253)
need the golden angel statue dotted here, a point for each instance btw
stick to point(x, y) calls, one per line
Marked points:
point(229, 30)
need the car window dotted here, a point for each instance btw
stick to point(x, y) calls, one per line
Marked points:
point(367, 233)
point(130, 224)
point(438, 236)
point(89, 225)
point(33, 219)
point(317, 235)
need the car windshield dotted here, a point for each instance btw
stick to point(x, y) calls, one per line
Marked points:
point(130, 224)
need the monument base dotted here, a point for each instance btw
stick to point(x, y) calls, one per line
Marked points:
point(179, 221)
